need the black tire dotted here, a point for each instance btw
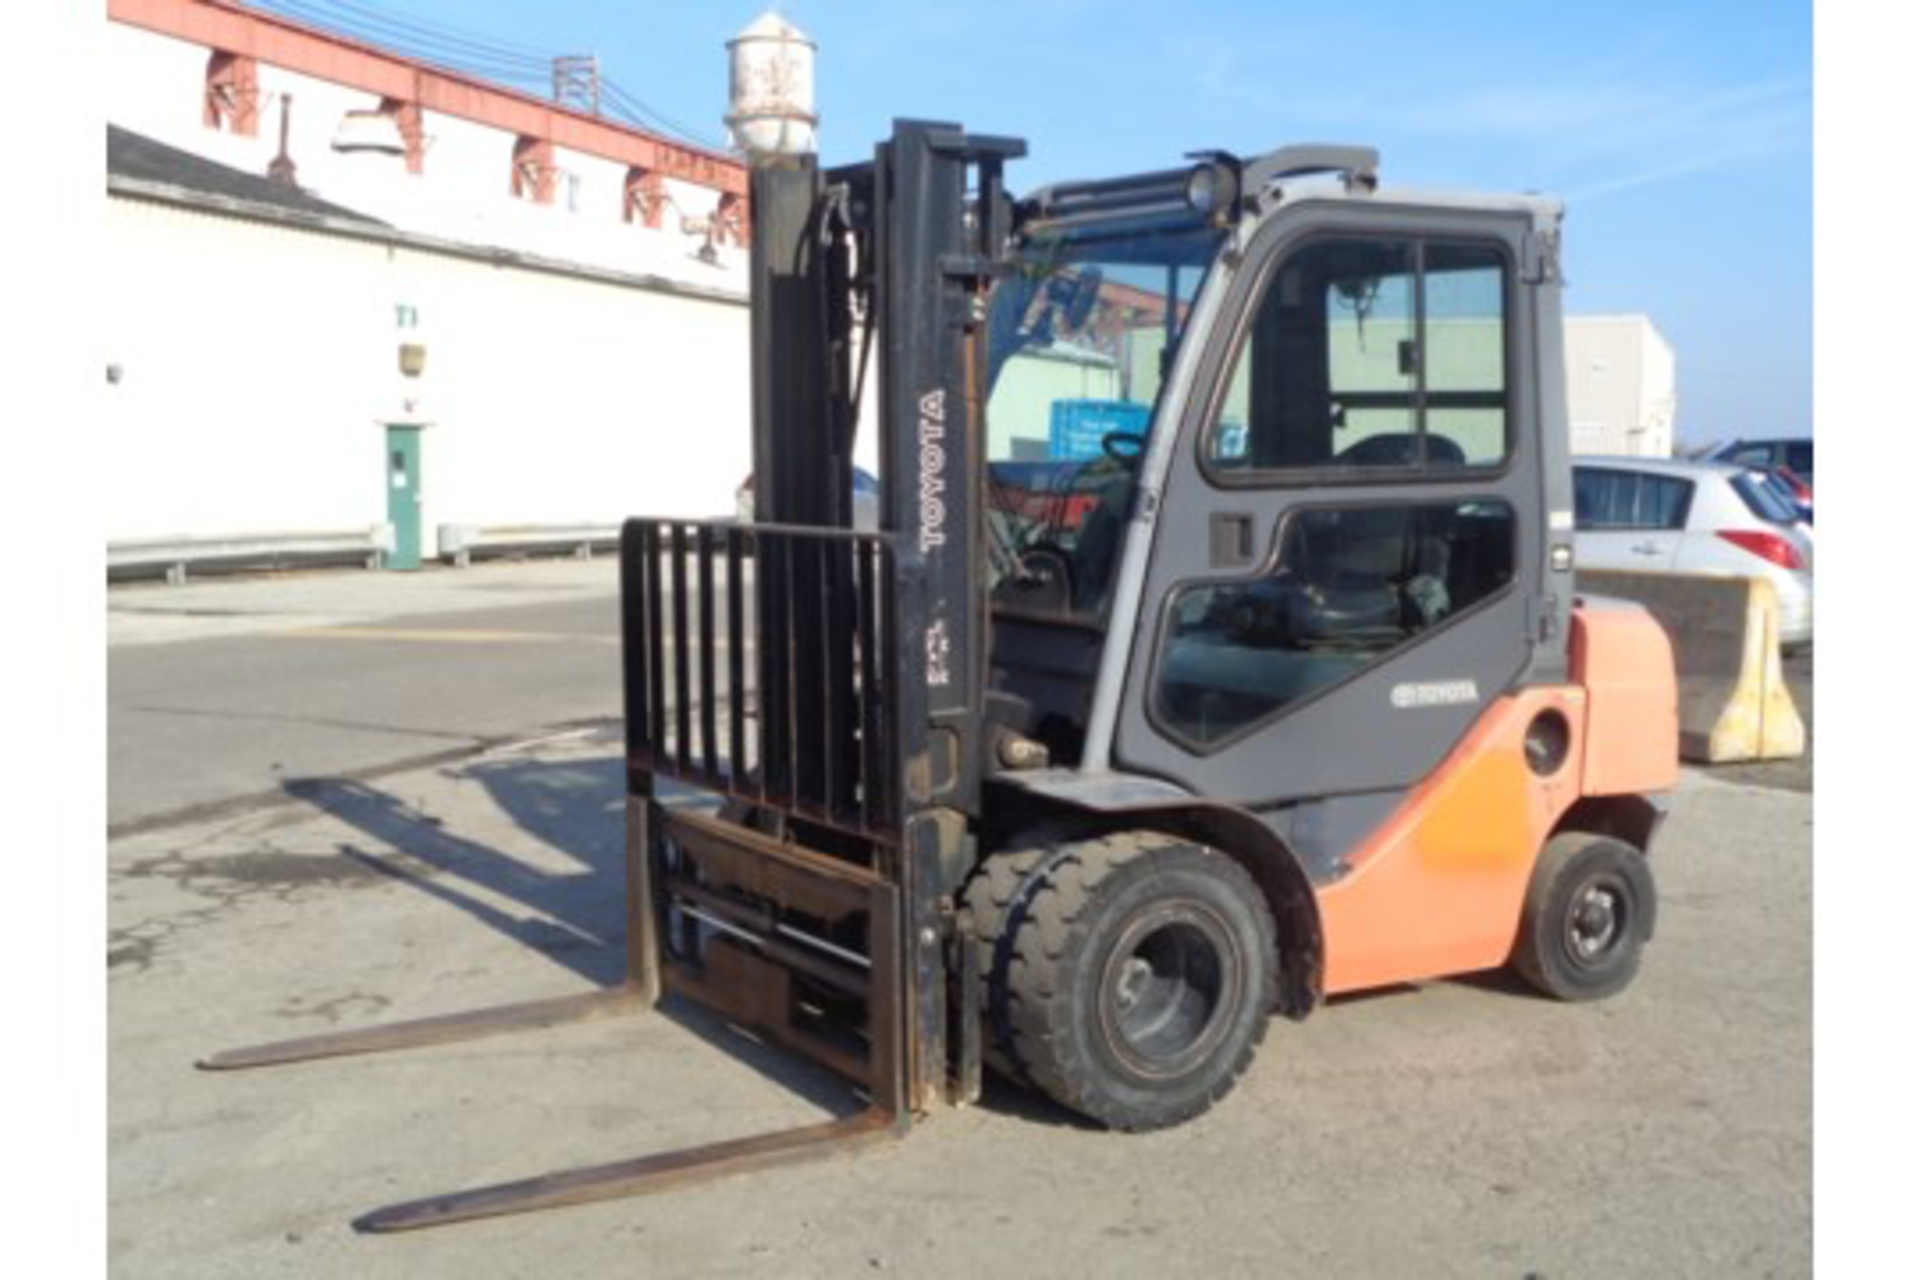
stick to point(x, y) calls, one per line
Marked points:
point(1589, 910)
point(1129, 978)
point(995, 892)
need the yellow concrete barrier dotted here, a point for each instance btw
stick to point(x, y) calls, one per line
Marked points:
point(1734, 703)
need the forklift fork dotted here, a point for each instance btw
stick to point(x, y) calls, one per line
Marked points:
point(783, 874)
point(858, 764)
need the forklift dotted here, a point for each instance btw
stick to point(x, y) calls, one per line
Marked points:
point(1217, 651)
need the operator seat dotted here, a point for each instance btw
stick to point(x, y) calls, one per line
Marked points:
point(1097, 549)
point(1402, 449)
point(1366, 577)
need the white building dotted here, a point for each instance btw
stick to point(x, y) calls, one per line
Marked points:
point(1620, 386)
point(577, 288)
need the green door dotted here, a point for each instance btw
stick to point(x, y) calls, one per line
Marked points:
point(403, 495)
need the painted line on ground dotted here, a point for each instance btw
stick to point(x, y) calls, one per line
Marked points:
point(413, 635)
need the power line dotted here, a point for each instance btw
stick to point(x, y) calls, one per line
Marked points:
point(637, 108)
point(367, 15)
point(483, 66)
point(515, 65)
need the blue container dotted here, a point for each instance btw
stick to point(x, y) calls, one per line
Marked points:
point(1077, 427)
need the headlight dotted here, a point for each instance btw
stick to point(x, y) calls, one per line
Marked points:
point(1211, 188)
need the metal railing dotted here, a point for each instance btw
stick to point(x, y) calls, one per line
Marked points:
point(461, 544)
point(175, 555)
point(761, 663)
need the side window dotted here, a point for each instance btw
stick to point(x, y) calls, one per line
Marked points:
point(1350, 587)
point(1664, 501)
point(1371, 353)
point(1591, 494)
point(1620, 500)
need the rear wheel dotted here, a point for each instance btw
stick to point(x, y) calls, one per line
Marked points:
point(1129, 978)
point(1589, 909)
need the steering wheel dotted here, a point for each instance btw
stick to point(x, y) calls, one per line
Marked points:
point(1043, 579)
point(1124, 447)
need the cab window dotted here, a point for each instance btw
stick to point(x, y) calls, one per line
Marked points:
point(1351, 586)
point(1370, 354)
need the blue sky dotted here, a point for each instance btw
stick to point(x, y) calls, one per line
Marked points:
point(1679, 133)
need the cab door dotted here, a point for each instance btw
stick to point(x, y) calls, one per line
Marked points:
point(1347, 564)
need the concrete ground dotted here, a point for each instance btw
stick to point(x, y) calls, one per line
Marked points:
point(242, 685)
point(1461, 1128)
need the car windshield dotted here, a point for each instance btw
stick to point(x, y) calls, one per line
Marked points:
point(1080, 336)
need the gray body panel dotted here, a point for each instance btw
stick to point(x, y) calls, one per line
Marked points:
point(1324, 833)
point(1320, 834)
point(1349, 737)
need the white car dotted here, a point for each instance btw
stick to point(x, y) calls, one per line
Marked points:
point(1651, 515)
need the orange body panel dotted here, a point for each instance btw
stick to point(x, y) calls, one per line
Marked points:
point(1623, 659)
point(1437, 890)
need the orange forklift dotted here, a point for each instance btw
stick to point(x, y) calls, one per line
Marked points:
point(1216, 653)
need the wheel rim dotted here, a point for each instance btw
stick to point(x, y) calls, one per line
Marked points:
point(1599, 914)
point(1168, 989)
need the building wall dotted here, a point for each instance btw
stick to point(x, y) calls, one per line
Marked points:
point(1620, 386)
point(1022, 404)
point(154, 85)
point(258, 362)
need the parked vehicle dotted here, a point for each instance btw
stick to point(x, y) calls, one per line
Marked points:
point(1649, 515)
point(1794, 454)
point(866, 500)
point(1795, 492)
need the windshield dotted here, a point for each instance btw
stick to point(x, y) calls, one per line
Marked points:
point(1080, 337)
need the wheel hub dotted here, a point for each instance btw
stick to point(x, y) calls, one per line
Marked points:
point(1167, 988)
point(1594, 922)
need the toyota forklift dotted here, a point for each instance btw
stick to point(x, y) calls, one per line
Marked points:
point(1217, 651)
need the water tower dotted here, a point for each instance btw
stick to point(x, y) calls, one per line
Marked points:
point(770, 104)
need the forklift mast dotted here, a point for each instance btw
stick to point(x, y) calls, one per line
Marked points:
point(914, 240)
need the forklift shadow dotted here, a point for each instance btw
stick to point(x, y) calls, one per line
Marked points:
point(575, 918)
point(1500, 982)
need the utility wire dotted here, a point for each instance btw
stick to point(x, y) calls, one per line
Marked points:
point(458, 60)
point(513, 64)
point(634, 107)
point(364, 15)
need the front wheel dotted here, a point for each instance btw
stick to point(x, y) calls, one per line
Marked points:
point(1589, 910)
point(1136, 980)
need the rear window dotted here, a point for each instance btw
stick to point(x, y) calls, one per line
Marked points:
point(1764, 500)
point(1800, 459)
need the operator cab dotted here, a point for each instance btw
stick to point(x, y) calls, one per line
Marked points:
point(1209, 360)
